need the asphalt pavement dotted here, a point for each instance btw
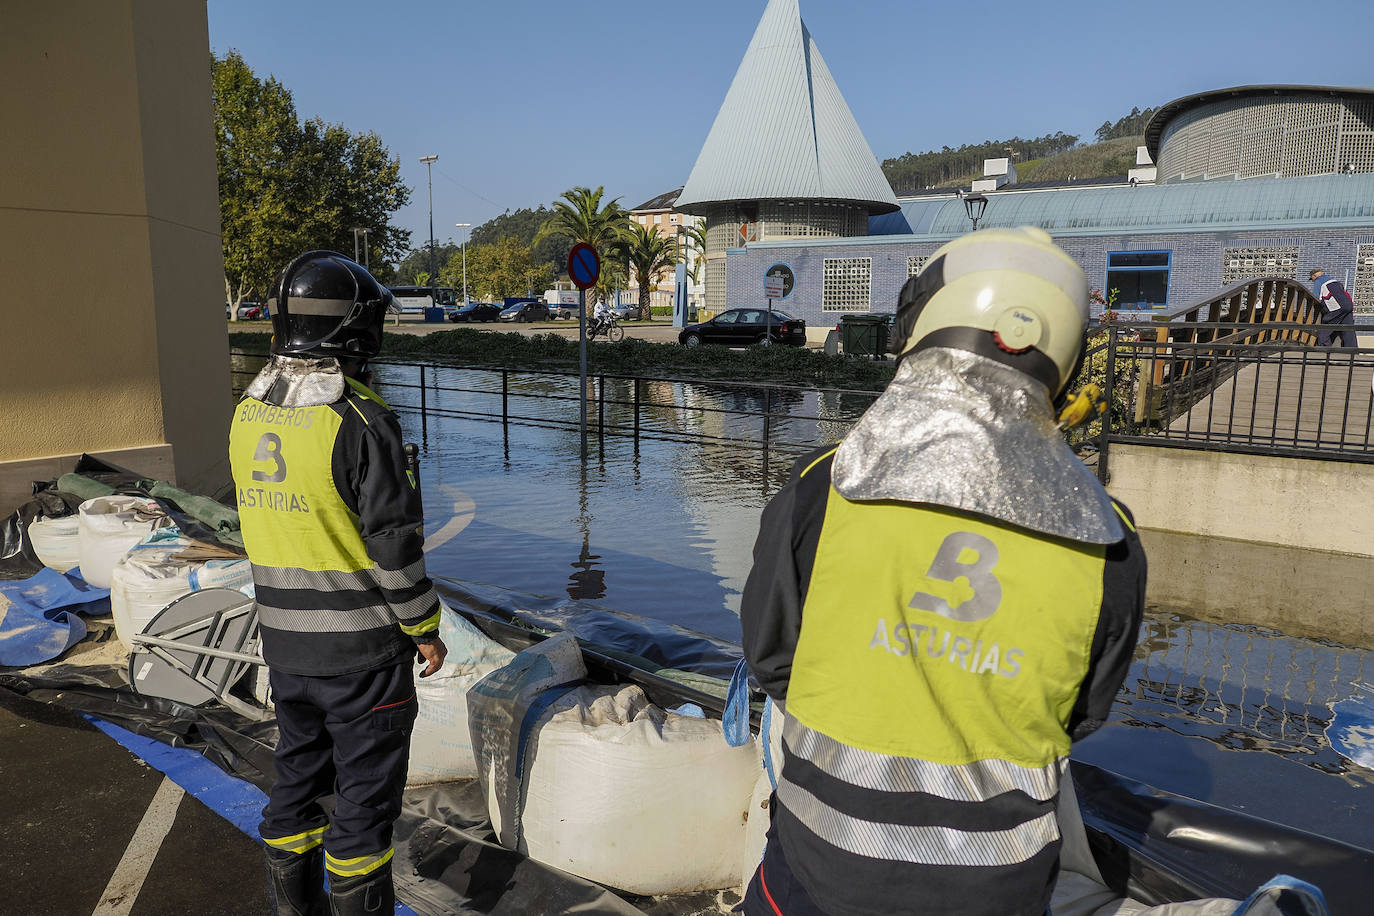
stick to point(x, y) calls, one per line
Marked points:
point(88, 827)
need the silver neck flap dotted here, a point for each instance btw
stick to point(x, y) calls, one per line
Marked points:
point(958, 430)
point(289, 381)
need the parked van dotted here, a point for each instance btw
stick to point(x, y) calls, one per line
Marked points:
point(413, 300)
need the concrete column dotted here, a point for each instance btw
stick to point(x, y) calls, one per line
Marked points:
point(110, 243)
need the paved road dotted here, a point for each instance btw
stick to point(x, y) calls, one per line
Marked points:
point(87, 827)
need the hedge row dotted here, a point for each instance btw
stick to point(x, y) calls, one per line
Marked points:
point(781, 365)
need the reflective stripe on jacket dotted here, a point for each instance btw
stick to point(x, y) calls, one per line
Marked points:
point(333, 526)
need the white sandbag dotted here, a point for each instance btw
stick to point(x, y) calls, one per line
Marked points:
point(109, 526)
point(150, 576)
point(441, 746)
point(760, 815)
point(57, 541)
point(621, 792)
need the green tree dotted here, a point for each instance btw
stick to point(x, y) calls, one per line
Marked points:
point(581, 216)
point(287, 187)
point(418, 260)
point(696, 239)
point(505, 268)
point(647, 254)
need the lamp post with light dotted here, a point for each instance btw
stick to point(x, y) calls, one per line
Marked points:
point(465, 227)
point(355, 248)
point(429, 168)
point(975, 205)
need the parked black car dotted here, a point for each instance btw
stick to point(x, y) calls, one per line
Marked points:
point(526, 311)
point(743, 327)
point(475, 311)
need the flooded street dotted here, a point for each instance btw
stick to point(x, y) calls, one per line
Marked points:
point(664, 528)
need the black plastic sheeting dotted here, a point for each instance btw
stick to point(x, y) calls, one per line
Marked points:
point(1152, 845)
point(1158, 847)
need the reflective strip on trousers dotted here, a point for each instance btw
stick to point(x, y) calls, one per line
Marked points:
point(359, 865)
point(977, 781)
point(298, 842)
point(918, 845)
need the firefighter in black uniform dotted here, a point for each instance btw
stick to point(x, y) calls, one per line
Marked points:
point(941, 605)
point(332, 522)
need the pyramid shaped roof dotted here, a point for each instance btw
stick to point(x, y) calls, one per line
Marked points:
point(785, 132)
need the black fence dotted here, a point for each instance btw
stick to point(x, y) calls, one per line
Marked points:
point(1234, 387)
point(745, 416)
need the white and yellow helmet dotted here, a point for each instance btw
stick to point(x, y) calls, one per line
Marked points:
point(1008, 294)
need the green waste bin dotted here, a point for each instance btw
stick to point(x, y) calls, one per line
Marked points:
point(864, 335)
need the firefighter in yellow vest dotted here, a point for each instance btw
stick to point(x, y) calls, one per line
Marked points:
point(332, 522)
point(941, 605)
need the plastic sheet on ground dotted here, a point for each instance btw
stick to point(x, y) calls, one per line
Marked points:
point(1152, 845)
point(40, 616)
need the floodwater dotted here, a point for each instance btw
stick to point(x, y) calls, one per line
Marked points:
point(663, 527)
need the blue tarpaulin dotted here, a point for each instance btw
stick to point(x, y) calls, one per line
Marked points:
point(39, 616)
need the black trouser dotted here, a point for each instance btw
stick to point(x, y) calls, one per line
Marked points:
point(1337, 324)
point(348, 736)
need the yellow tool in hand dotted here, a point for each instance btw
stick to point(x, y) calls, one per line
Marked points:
point(1086, 405)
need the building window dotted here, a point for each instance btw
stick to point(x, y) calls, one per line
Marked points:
point(1249, 263)
point(1363, 292)
point(915, 264)
point(658, 219)
point(1140, 278)
point(848, 282)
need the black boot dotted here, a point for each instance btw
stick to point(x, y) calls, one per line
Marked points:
point(362, 895)
point(295, 883)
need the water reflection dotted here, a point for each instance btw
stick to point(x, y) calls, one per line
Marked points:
point(663, 527)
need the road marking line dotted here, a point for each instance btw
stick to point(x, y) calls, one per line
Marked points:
point(464, 509)
point(126, 882)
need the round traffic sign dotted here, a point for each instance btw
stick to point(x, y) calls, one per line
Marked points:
point(584, 265)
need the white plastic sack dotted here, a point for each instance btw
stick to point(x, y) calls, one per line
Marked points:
point(150, 576)
point(57, 541)
point(109, 526)
point(621, 792)
point(441, 746)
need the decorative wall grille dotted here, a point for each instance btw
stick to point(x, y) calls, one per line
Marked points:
point(915, 264)
point(1290, 136)
point(848, 285)
point(1247, 263)
point(1363, 293)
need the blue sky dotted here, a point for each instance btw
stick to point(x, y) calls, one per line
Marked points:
point(521, 99)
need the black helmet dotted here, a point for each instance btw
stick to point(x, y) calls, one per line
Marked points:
point(325, 304)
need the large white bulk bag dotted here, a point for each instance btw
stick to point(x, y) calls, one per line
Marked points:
point(109, 526)
point(57, 541)
point(151, 576)
point(621, 792)
point(441, 746)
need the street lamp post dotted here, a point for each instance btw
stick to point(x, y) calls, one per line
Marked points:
point(464, 244)
point(429, 168)
point(355, 247)
point(975, 205)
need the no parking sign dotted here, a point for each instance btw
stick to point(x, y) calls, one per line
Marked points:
point(584, 265)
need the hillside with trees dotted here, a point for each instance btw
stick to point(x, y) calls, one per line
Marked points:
point(1053, 157)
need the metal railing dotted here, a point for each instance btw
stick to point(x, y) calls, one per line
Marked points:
point(638, 408)
point(1233, 387)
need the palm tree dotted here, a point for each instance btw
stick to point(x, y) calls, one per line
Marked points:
point(696, 238)
point(647, 254)
point(582, 217)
